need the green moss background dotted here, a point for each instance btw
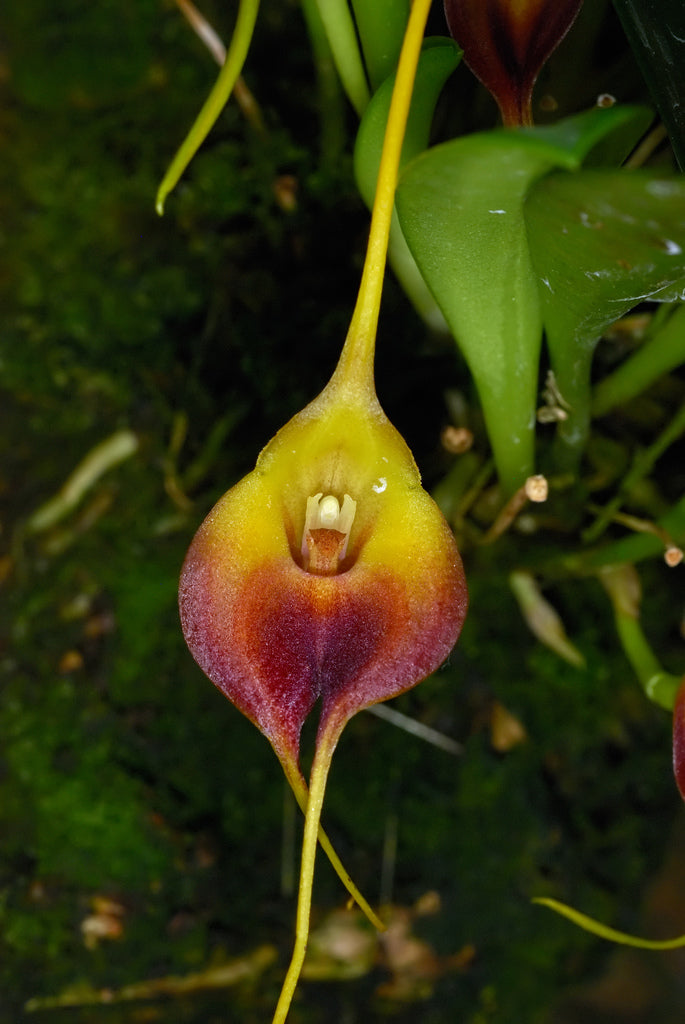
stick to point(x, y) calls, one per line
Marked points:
point(123, 773)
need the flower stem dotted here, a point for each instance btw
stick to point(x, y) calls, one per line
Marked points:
point(301, 794)
point(317, 788)
point(642, 466)
point(355, 368)
point(215, 102)
point(622, 584)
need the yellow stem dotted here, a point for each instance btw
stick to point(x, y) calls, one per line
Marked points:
point(354, 375)
point(317, 788)
point(301, 793)
point(355, 368)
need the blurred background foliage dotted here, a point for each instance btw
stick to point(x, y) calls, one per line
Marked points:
point(143, 828)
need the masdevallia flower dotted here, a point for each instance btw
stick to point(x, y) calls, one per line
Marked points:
point(327, 573)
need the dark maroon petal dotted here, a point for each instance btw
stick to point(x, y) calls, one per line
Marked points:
point(506, 43)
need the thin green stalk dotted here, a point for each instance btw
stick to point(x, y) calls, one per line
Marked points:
point(622, 584)
point(331, 113)
point(660, 686)
point(642, 466)
point(630, 549)
point(662, 352)
point(342, 38)
point(215, 102)
point(588, 924)
point(317, 788)
point(572, 366)
point(301, 794)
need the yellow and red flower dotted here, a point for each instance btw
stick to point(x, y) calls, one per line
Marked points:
point(327, 573)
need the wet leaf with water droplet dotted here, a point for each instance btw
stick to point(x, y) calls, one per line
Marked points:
point(601, 242)
point(461, 210)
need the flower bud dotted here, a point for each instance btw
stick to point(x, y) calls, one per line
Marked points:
point(506, 43)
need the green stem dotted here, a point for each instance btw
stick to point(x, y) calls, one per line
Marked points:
point(622, 584)
point(572, 365)
point(659, 354)
point(381, 25)
point(215, 102)
point(301, 794)
point(660, 686)
point(588, 924)
point(642, 466)
point(331, 114)
point(342, 38)
point(317, 789)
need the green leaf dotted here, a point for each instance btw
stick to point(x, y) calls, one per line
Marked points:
point(597, 136)
point(656, 32)
point(461, 209)
point(381, 26)
point(601, 242)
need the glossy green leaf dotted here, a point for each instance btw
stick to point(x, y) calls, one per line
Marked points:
point(461, 209)
point(601, 242)
point(598, 136)
point(656, 32)
point(381, 26)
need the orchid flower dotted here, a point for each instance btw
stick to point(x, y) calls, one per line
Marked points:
point(328, 574)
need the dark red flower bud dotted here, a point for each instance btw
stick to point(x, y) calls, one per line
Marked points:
point(506, 43)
